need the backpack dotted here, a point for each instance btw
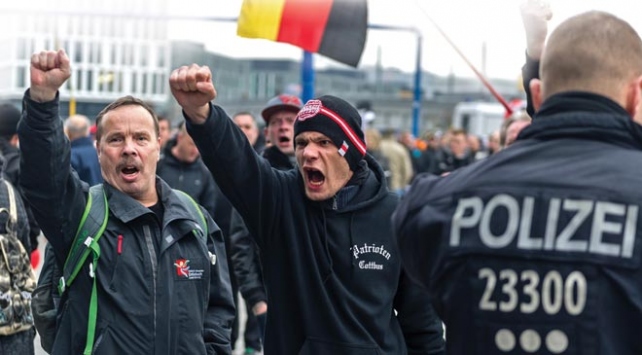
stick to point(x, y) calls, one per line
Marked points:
point(46, 303)
point(17, 280)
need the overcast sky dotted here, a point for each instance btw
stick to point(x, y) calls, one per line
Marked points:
point(469, 23)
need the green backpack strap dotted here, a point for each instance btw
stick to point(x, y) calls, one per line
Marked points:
point(91, 228)
point(195, 210)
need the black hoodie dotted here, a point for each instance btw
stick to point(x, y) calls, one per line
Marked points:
point(332, 269)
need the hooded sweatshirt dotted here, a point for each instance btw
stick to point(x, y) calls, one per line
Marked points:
point(332, 269)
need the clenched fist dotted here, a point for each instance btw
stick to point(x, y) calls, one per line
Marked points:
point(49, 70)
point(193, 89)
point(535, 17)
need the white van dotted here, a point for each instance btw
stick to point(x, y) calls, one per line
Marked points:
point(479, 118)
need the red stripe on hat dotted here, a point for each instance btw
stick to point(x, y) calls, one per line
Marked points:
point(346, 129)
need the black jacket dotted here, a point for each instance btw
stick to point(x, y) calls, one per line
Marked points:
point(144, 305)
point(541, 241)
point(11, 172)
point(277, 159)
point(84, 160)
point(334, 276)
point(245, 254)
point(192, 178)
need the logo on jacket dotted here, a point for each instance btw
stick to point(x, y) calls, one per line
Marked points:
point(368, 251)
point(184, 271)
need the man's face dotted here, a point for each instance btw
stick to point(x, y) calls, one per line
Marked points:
point(513, 131)
point(185, 149)
point(281, 131)
point(128, 152)
point(164, 131)
point(248, 126)
point(458, 145)
point(323, 169)
point(493, 142)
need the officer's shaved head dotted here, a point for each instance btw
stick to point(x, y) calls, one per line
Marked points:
point(594, 51)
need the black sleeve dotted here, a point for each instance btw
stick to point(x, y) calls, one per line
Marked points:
point(422, 329)
point(217, 330)
point(530, 71)
point(246, 262)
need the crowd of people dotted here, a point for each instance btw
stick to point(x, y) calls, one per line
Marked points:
point(341, 237)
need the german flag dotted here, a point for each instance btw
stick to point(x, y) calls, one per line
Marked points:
point(333, 28)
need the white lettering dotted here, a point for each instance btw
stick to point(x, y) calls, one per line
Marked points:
point(473, 204)
point(555, 293)
point(564, 242)
point(485, 304)
point(503, 222)
point(371, 265)
point(601, 226)
point(552, 292)
point(629, 231)
point(575, 282)
point(524, 241)
point(486, 235)
point(508, 289)
point(530, 290)
point(551, 223)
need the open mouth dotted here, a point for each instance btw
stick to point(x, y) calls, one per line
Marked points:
point(314, 176)
point(284, 140)
point(129, 170)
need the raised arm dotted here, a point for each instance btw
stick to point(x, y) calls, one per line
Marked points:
point(246, 179)
point(535, 17)
point(45, 169)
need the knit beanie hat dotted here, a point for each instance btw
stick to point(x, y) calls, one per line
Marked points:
point(339, 121)
point(9, 117)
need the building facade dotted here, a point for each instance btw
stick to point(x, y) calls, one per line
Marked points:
point(111, 54)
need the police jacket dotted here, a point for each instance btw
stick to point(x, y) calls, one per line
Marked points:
point(147, 303)
point(332, 269)
point(537, 249)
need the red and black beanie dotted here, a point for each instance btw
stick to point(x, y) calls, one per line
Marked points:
point(339, 121)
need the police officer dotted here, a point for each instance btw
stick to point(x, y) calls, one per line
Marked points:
point(537, 249)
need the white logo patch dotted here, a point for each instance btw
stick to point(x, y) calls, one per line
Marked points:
point(311, 108)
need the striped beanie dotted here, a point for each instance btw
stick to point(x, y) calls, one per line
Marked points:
point(339, 121)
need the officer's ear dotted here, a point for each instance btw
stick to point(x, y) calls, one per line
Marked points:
point(536, 93)
point(633, 103)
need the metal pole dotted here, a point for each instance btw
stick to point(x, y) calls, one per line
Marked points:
point(416, 104)
point(307, 77)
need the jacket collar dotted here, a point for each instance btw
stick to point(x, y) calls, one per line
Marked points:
point(127, 209)
point(584, 115)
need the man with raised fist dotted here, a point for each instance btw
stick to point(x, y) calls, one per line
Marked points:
point(159, 283)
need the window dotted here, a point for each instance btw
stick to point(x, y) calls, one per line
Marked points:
point(21, 74)
point(144, 52)
point(161, 56)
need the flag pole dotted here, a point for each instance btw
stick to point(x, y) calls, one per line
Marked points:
point(307, 76)
point(481, 77)
point(416, 103)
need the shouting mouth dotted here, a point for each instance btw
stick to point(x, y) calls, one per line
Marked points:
point(314, 177)
point(129, 172)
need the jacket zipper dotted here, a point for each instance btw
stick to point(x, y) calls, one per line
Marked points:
point(152, 256)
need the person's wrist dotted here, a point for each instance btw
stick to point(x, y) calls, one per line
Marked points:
point(42, 95)
point(197, 115)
